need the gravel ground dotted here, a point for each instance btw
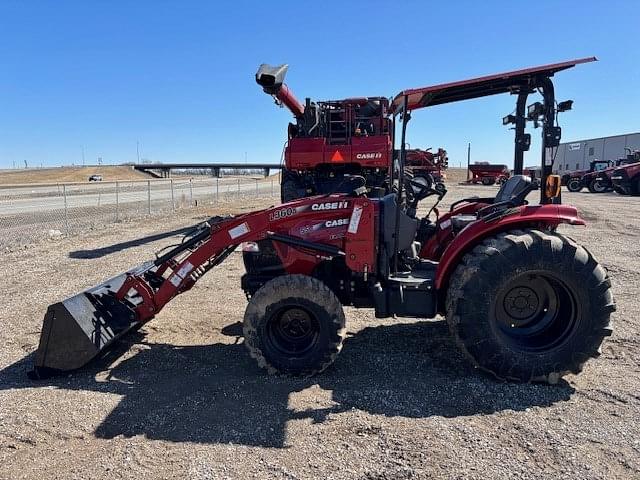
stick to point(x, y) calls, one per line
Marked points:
point(185, 400)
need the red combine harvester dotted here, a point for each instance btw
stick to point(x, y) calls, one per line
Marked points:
point(522, 301)
point(487, 173)
point(332, 142)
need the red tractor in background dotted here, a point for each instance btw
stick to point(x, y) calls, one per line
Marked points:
point(522, 301)
point(574, 180)
point(600, 181)
point(334, 143)
point(625, 179)
point(488, 173)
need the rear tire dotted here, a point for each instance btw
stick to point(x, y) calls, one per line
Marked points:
point(596, 186)
point(294, 324)
point(574, 185)
point(635, 189)
point(529, 306)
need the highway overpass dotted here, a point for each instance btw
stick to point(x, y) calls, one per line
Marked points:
point(163, 170)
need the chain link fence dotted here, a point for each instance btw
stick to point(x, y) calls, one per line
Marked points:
point(32, 213)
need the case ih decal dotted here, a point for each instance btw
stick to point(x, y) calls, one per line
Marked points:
point(330, 206)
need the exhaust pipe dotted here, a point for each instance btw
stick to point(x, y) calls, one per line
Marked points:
point(78, 329)
point(271, 79)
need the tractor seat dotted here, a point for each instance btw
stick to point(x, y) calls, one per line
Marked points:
point(514, 190)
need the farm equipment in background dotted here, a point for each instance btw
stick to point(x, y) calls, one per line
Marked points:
point(487, 173)
point(600, 181)
point(331, 143)
point(625, 179)
point(574, 180)
point(428, 165)
point(522, 301)
point(334, 142)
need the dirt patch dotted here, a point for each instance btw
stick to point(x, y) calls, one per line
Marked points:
point(185, 400)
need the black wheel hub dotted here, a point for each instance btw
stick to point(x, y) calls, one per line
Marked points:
point(292, 331)
point(521, 303)
point(535, 312)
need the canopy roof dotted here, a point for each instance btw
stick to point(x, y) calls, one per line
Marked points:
point(480, 87)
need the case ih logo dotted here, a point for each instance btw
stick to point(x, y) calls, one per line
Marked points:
point(329, 206)
point(369, 156)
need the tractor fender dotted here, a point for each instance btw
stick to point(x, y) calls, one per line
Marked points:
point(540, 216)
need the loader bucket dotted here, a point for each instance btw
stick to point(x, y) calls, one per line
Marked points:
point(81, 327)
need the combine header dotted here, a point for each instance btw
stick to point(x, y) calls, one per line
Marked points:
point(522, 301)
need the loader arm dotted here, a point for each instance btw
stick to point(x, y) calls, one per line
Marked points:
point(79, 328)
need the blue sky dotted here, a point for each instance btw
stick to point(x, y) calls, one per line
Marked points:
point(178, 76)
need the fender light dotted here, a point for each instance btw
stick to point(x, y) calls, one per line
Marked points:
point(553, 186)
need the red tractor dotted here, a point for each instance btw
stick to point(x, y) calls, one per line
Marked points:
point(600, 181)
point(523, 301)
point(625, 180)
point(488, 173)
point(576, 181)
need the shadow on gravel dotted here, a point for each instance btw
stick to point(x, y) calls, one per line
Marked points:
point(216, 393)
point(117, 247)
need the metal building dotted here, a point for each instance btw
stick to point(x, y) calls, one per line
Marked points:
point(578, 154)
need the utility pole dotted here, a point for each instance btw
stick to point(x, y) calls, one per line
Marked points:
point(82, 155)
point(468, 159)
point(138, 150)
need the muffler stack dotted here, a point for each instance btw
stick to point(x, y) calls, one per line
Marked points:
point(79, 328)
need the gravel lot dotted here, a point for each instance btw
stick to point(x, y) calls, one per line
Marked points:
point(185, 400)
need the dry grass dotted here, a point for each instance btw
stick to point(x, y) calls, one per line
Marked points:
point(69, 175)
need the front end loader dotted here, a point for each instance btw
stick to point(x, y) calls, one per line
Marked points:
point(522, 301)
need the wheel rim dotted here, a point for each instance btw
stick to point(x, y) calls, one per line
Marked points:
point(536, 312)
point(292, 331)
point(598, 186)
point(573, 185)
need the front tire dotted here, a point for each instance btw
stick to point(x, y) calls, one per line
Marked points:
point(486, 181)
point(294, 324)
point(574, 185)
point(529, 306)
